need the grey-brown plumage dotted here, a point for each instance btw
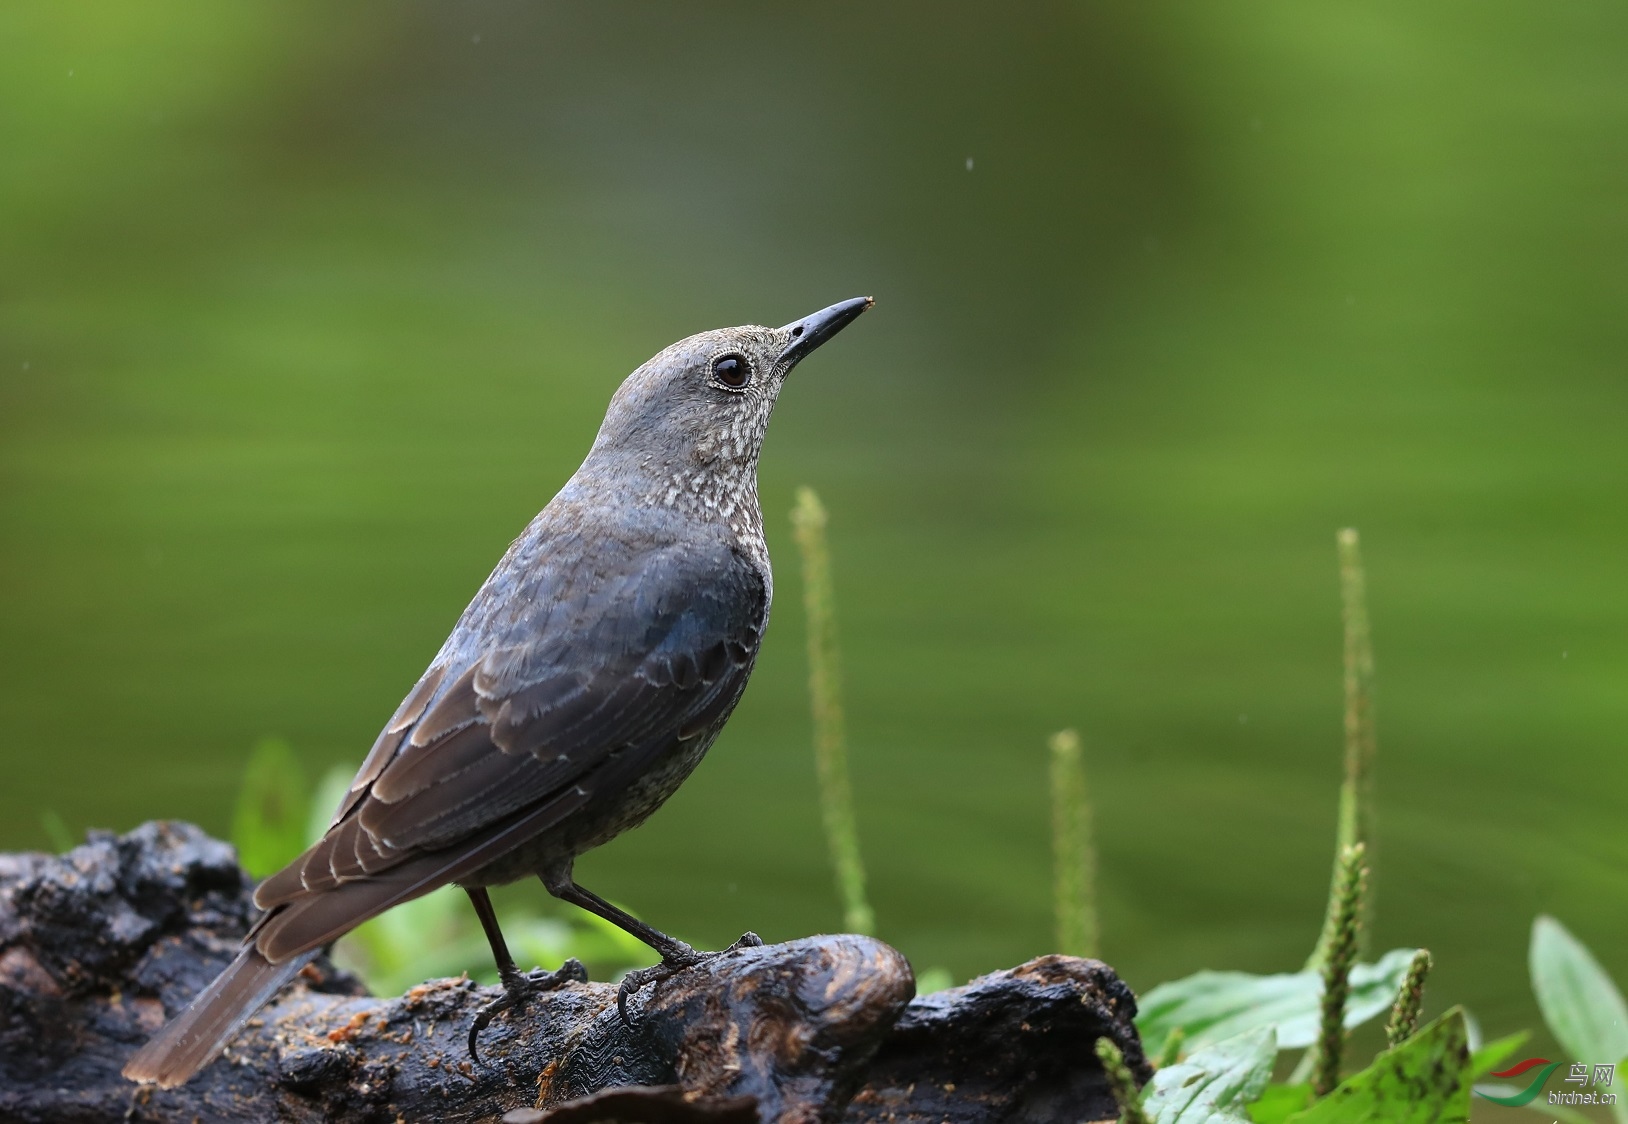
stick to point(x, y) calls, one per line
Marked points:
point(580, 687)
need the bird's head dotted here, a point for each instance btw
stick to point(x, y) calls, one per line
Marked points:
point(699, 408)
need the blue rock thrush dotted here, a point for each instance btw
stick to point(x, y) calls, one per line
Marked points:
point(580, 687)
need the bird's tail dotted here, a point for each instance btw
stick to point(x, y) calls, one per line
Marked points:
point(192, 1039)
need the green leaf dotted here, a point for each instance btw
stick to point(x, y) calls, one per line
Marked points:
point(1214, 1006)
point(268, 825)
point(1483, 1060)
point(1212, 1086)
point(1579, 1001)
point(1425, 1080)
point(1279, 1102)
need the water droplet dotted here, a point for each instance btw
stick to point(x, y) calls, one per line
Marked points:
point(969, 163)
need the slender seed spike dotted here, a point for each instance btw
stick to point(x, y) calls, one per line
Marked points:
point(1342, 954)
point(1122, 1082)
point(1170, 1052)
point(1409, 1001)
point(1073, 851)
point(1356, 815)
point(825, 694)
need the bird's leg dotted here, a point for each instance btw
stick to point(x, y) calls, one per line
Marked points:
point(675, 954)
point(518, 986)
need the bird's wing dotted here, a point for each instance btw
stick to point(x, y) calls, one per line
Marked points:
point(620, 669)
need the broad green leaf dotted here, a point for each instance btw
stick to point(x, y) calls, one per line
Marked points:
point(1214, 1006)
point(1212, 1086)
point(268, 826)
point(1579, 1001)
point(1425, 1080)
point(1279, 1102)
point(1484, 1060)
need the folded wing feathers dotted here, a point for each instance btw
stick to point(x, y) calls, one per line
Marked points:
point(451, 712)
point(514, 728)
point(493, 786)
point(389, 740)
point(417, 770)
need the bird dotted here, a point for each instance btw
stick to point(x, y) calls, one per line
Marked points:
point(584, 682)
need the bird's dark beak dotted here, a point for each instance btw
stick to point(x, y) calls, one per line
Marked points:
point(811, 331)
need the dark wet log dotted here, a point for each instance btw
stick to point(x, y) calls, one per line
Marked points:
point(1017, 1045)
point(643, 1104)
point(98, 944)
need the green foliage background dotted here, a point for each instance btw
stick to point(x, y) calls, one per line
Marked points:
point(305, 310)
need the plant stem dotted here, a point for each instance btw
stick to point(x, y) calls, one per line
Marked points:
point(1122, 1082)
point(1074, 856)
point(1409, 1001)
point(1342, 954)
point(825, 695)
point(1356, 816)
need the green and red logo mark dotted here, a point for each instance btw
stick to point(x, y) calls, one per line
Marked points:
point(1581, 1074)
point(1530, 1093)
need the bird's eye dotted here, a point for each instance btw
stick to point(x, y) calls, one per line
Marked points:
point(731, 371)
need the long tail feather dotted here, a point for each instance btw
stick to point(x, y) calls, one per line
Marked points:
point(294, 931)
point(192, 1039)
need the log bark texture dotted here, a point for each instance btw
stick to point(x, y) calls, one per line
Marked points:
point(97, 945)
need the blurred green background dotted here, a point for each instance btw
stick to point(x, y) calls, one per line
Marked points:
point(305, 310)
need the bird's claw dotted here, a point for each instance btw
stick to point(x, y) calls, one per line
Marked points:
point(518, 988)
point(637, 979)
point(687, 957)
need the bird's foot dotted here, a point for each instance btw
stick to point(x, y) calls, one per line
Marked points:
point(672, 962)
point(518, 987)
